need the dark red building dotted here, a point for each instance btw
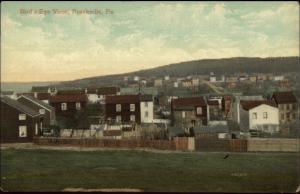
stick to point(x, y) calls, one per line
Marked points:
point(129, 108)
point(19, 123)
point(67, 105)
point(191, 111)
point(41, 107)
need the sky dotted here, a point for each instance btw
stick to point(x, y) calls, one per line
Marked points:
point(59, 41)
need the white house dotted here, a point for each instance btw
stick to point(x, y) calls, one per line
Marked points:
point(261, 115)
point(236, 104)
point(279, 78)
point(212, 78)
point(175, 84)
point(146, 108)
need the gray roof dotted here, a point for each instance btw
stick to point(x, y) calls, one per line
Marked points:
point(39, 102)
point(39, 88)
point(212, 129)
point(7, 92)
point(17, 105)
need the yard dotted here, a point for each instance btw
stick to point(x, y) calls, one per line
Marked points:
point(53, 170)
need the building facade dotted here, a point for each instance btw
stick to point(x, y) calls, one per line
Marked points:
point(66, 105)
point(189, 112)
point(19, 123)
point(261, 115)
point(129, 108)
point(42, 108)
point(288, 107)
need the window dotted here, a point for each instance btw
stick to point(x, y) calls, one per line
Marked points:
point(265, 115)
point(22, 117)
point(282, 116)
point(288, 116)
point(78, 106)
point(291, 106)
point(287, 106)
point(132, 107)
point(36, 129)
point(42, 111)
point(63, 106)
point(146, 114)
point(281, 106)
point(22, 131)
point(146, 104)
point(183, 114)
point(118, 107)
point(132, 117)
point(294, 107)
point(199, 110)
point(254, 115)
point(118, 118)
point(294, 115)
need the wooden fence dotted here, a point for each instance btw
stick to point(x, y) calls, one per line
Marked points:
point(217, 145)
point(273, 145)
point(179, 143)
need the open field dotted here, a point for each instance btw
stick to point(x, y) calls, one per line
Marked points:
point(57, 170)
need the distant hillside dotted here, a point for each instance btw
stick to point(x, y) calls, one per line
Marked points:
point(22, 87)
point(275, 65)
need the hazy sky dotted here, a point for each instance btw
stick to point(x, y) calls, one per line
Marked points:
point(130, 36)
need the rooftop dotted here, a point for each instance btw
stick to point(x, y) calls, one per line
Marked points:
point(41, 88)
point(7, 92)
point(68, 98)
point(213, 102)
point(19, 106)
point(43, 96)
point(71, 92)
point(249, 104)
point(128, 99)
point(103, 90)
point(39, 102)
point(188, 102)
point(284, 97)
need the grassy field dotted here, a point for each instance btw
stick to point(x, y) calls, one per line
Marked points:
point(49, 170)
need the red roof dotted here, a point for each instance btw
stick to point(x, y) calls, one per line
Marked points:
point(68, 98)
point(191, 101)
point(43, 96)
point(127, 99)
point(71, 92)
point(249, 104)
point(284, 97)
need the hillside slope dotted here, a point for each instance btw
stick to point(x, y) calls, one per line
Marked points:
point(275, 65)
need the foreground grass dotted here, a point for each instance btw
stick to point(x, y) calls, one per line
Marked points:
point(48, 170)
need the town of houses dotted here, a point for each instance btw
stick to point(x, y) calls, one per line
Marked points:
point(156, 108)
